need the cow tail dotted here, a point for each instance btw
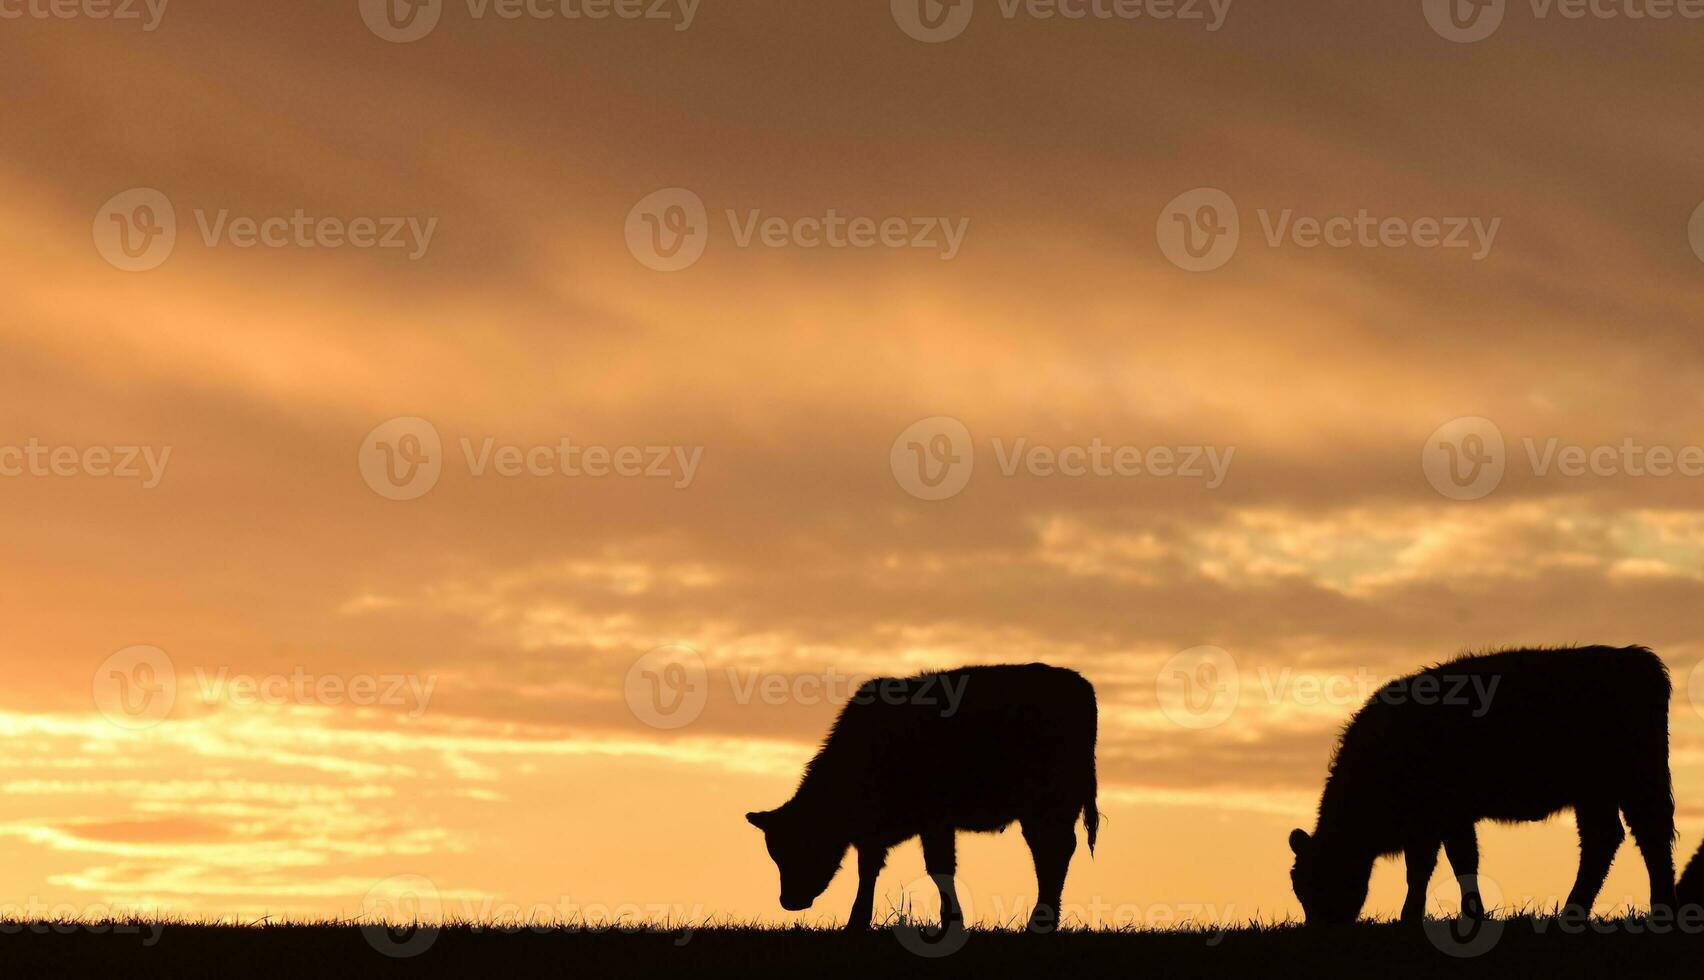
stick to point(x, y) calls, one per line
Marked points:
point(1091, 816)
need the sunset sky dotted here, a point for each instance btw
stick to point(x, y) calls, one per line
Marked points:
point(502, 744)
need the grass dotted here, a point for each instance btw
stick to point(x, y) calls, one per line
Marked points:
point(1524, 944)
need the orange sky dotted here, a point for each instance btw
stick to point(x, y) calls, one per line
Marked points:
point(505, 613)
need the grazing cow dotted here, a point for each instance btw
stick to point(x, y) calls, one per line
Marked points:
point(927, 756)
point(1512, 736)
point(1689, 890)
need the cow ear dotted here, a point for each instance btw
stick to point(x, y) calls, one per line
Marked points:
point(1299, 841)
point(758, 820)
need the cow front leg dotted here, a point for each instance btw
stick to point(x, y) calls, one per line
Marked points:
point(1421, 856)
point(1462, 848)
point(870, 861)
point(940, 859)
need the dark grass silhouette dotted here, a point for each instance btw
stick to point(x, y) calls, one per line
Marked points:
point(974, 749)
point(329, 951)
point(1513, 736)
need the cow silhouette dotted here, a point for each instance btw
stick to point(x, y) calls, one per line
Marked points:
point(1689, 890)
point(1512, 736)
point(927, 756)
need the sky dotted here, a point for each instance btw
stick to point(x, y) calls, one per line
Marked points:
point(473, 456)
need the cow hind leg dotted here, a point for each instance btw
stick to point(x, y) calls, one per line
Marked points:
point(1600, 836)
point(940, 859)
point(1652, 823)
point(1052, 840)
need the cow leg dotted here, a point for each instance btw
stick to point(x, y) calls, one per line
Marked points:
point(1600, 836)
point(1421, 856)
point(1462, 847)
point(1052, 840)
point(870, 861)
point(940, 859)
point(1652, 823)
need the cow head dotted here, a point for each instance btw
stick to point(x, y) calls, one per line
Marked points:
point(807, 858)
point(1331, 891)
